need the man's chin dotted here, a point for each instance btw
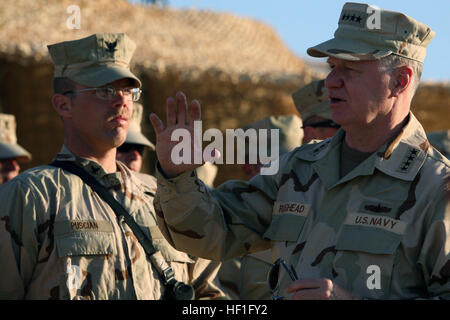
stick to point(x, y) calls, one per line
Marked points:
point(118, 140)
point(339, 117)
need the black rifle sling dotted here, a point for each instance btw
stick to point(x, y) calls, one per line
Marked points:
point(165, 272)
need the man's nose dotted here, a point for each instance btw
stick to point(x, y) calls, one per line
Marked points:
point(334, 79)
point(121, 99)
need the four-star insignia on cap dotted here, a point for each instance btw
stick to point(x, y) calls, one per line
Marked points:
point(351, 17)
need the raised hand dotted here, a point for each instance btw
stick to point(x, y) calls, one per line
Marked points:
point(177, 118)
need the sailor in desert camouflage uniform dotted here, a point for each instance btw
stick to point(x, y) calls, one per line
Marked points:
point(361, 215)
point(58, 238)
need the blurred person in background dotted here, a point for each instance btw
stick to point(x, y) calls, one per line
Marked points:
point(312, 103)
point(441, 141)
point(131, 152)
point(11, 153)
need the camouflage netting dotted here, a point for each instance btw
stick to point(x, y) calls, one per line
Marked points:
point(198, 40)
point(237, 68)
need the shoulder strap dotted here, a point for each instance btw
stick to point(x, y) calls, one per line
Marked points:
point(154, 255)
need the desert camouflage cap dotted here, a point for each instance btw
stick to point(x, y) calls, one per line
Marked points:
point(312, 100)
point(366, 32)
point(134, 134)
point(9, 149)
point(441, 141)
point(290, 131)
point(96, 60)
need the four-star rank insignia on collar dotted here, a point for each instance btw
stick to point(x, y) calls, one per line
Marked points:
point(409, 158)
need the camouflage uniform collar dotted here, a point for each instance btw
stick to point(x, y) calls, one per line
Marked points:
point(401, 158)
point(325, 157)
point(108, 180)
point(404, 156)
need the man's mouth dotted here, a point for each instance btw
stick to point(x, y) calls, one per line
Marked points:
point(121, 120)
point(335, 99)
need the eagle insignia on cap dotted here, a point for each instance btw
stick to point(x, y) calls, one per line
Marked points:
point(111, 46)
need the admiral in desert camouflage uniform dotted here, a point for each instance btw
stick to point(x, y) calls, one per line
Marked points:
point(58, 238)
point(361, 215)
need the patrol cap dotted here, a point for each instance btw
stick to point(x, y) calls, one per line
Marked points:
point(134, 134)
point(96, 60)
point(290, 131)
point(9, 149)
point(366, 32)
point(312, 100)
point(441, 141)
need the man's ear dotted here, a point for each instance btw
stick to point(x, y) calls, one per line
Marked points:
point(402, 79)
point(62, 105)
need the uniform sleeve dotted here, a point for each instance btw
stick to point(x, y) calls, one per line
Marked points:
point(18, 239)
point(229, 278)
point(219, 224)
point(435, 254)
point(203, 277)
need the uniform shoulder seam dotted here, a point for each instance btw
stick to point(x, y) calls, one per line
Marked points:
point(438, 160)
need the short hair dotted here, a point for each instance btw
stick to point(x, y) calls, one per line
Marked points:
point(62, 85)
point(393, 61)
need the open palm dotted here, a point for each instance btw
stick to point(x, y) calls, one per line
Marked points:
point(177, 118)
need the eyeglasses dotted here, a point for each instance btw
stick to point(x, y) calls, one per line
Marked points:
point(273, 275)
point(110, 93)
point(127, 147)
point(323, 124)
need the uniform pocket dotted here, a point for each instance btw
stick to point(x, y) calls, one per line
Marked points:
point(83, 244)
point(371, 234)
point(366, 253)
point(370, 241)
point(81, 238)
point(288, 220)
